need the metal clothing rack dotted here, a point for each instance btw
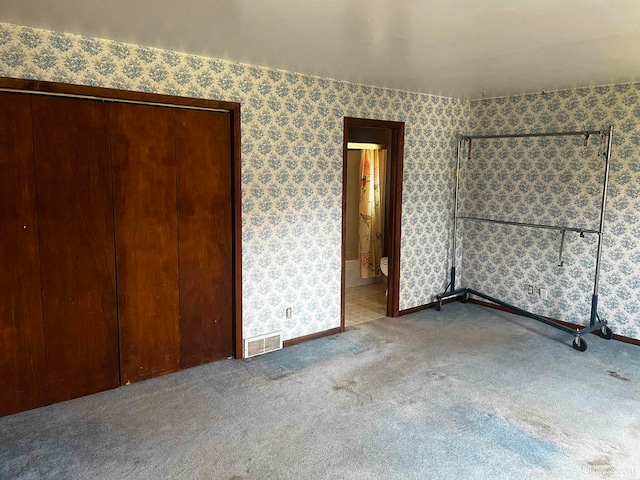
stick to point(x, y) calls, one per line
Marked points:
point(596, 324)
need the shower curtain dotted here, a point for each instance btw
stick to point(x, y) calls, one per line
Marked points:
point(370, 227)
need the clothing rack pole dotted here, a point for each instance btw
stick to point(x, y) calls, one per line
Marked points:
point(596, 325)
point(455, 218)
point(596, 281)
point(581, 133)
point(533, 225)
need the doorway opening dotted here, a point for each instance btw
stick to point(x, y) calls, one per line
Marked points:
point(373, 154)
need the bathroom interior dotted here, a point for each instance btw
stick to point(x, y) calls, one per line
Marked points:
point(366, 224)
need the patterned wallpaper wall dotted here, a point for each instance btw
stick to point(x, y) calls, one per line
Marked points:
point(557, 182)
point(292, 132)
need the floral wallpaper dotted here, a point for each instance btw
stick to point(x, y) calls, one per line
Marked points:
point(556, 181)
point(292, 133)
point(292, 127)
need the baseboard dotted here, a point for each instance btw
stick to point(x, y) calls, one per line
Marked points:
point(620, 338)
point(313, 336)
point(426, 306)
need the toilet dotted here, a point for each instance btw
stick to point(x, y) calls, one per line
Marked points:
point(384, 266)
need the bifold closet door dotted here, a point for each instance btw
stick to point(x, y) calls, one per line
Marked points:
point(203, 149)
point(76, 232)
point(21, 330)
point(144, 168)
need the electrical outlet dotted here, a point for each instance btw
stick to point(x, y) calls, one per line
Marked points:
point(543, 294)
point(530, 291)
point(288, 312)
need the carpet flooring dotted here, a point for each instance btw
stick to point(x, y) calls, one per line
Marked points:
point(467, 392)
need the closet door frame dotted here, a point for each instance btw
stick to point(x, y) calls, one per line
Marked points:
point(125, 96)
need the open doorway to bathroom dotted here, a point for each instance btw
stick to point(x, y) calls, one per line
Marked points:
point(371, 208)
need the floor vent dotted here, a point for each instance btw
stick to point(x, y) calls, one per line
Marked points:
point(262, 344)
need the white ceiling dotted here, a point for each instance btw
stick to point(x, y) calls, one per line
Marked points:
point(460, 48)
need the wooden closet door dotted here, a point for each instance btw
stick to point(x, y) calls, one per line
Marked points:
point(144, 167)
point(21, 330)
point(75, 211)
point(203, 149)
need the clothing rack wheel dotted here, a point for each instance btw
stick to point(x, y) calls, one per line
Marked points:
point(604, 332)
point(579, 343)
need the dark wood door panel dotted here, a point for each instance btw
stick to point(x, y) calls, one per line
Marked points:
point(75, 210)
point(22, 367)
point(203, 149)
point(144, 168)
